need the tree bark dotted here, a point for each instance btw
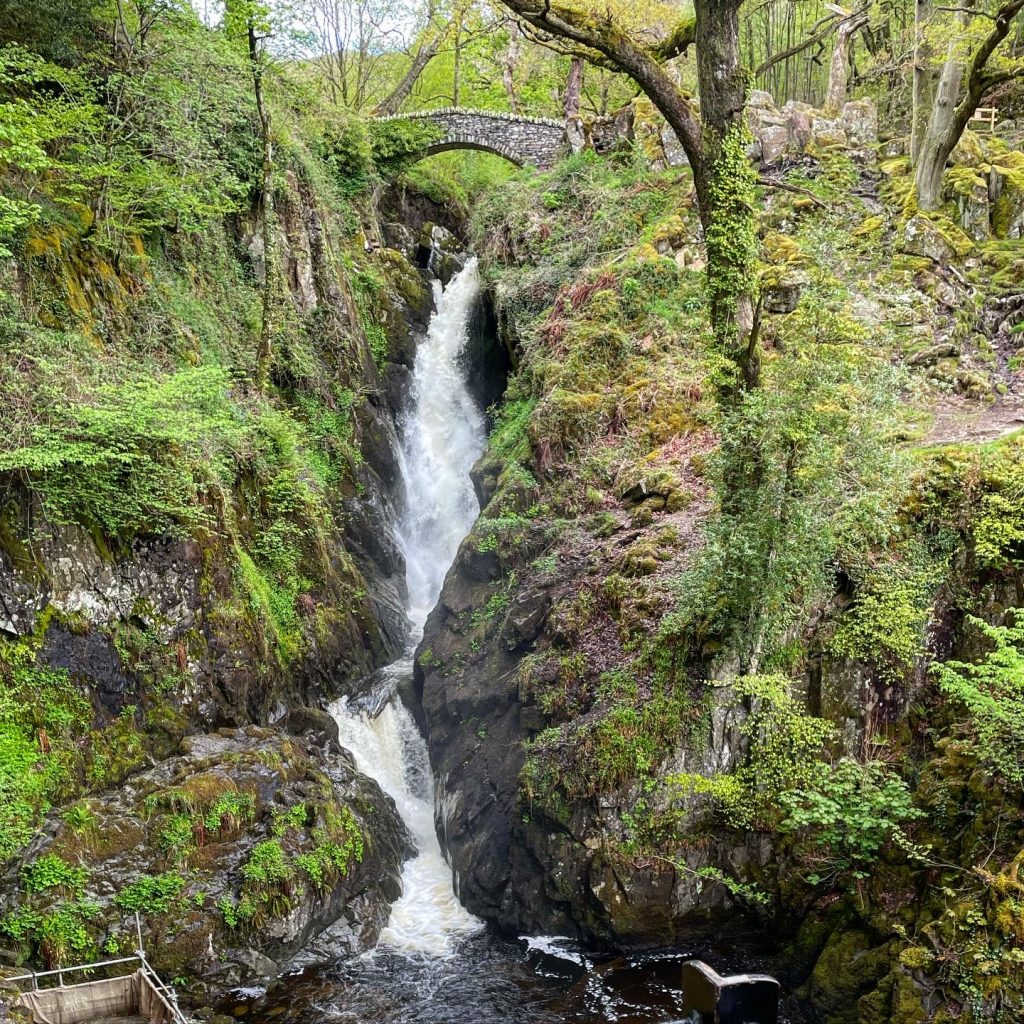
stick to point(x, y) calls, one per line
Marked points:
point(950, 113)
point(941, 135)
point(571, 105)
point(919, 82)
point(264, 353)
point(839, 71)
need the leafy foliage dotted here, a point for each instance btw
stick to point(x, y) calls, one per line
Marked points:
point(151, 894)
point(786, 746)
point(992, 692)
point(847, 813)
point(138, 459)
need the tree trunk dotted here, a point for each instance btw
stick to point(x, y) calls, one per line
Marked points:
point(457, 64)
point(264, 353)
point(939, 139)
point(723, 177)
point(951, 115)
point(839, 72)
point(917, 91)
point(573, 87)
point(509, 61)
point(728, 188)
point(424, 55)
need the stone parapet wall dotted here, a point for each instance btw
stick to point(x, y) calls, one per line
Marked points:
point(535, 141)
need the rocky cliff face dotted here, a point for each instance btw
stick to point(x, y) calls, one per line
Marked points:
point(250, 850)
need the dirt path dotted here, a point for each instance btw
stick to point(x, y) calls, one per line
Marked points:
point(963, 421)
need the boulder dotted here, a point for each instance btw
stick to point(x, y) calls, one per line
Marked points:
point(672, 148)
point(931, 355)
point(860, 120)
point(775, 140)
point(769, 127)
point(760, 98)
point(828, 132)
point(922, 238)
point(399, 237)
point(798, 122)
point(783, 296)
point(238, 853)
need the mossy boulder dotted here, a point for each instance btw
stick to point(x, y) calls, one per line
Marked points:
point(850, 966)
point(935, 239)
point(241, 852)
point(1008, 208)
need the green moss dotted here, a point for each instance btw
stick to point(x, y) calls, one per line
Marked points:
point(886, 624)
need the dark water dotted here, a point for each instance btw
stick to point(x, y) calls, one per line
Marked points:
point(488, 981)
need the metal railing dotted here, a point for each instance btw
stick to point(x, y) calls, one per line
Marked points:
point(163, 992)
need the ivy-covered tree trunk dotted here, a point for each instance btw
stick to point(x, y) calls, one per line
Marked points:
point(727, 208)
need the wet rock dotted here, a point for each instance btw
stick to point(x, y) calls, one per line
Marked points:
point(440, 252)
point(399, 237)
point(849, 967)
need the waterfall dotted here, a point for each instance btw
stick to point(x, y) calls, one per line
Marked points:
point(443, 435)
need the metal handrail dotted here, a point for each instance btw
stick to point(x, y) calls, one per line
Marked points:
point(164, 992)
point(33, 976)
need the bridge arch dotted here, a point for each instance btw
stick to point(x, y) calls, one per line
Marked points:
point(537, 141)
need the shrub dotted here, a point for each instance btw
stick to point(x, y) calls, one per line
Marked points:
point(785, 750)
point(847, 813)
point(992, 692)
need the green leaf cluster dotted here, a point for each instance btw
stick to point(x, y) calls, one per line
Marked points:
point(991, 691)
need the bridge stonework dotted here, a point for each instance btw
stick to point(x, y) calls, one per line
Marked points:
point(534, 141)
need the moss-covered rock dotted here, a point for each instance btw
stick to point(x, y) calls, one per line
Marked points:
point(243, 851)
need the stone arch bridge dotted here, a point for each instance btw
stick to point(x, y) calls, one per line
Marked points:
point(534, 141)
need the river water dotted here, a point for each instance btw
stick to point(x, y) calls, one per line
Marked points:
point(435, 963)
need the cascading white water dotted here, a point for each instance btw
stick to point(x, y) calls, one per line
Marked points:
point(443, 436)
